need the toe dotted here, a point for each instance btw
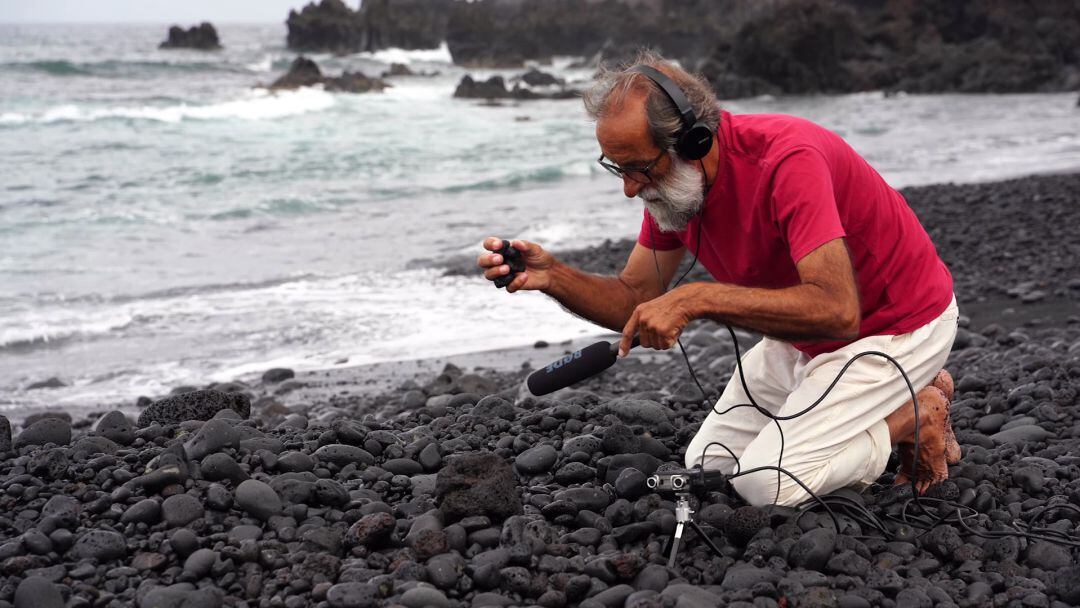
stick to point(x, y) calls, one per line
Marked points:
point(944, 382)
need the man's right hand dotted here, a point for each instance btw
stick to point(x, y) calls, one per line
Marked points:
point(538, 264)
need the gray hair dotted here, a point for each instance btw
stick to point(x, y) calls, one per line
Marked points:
point(612, 87)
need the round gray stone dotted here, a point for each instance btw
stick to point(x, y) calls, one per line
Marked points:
point(420, 597)
point(36, 592)
point(146, 511)
point(102, 545)
point(352, 595)
point(46, 430)
point(199, 563)
point(116, 427)
point(181, 509)
point(536, 460)
point(258, 499)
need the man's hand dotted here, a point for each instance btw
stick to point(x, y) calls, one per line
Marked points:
point(538, 264)
point(658, 322)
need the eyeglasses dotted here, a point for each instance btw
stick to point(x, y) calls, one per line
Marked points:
point(634, 174)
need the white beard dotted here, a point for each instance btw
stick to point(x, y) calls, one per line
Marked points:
point(676, 199)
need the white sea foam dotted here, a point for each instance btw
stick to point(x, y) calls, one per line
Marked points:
point(396, 55)
point(257, 105)
point(12, 118)
point(53, 324)
point(263, 65)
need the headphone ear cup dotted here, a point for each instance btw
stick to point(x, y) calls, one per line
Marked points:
point(695, 142)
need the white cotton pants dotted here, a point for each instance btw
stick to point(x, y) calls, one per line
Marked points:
point(842, 441)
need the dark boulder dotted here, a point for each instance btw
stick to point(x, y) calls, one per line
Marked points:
point(53, 382)
point(305, 73)
point(196, 405)
point(478, 483)
point(281, 374)
point(495, 88)
point(203, 37)
point(536, 78)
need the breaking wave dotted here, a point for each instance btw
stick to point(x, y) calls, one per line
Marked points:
point(259, 105)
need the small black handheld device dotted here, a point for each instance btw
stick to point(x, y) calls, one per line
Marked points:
point(513, 258)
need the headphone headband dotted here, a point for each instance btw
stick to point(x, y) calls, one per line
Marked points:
point(672, 90)
point(694, 139)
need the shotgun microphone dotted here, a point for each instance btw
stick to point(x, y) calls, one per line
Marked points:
point(575, 367)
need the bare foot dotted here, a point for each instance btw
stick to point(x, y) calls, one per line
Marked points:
point(935, 435)
point(944, 382)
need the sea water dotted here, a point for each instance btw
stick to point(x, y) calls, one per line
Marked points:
point(164, 222)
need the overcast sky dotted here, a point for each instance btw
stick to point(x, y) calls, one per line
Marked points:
point(149, 11)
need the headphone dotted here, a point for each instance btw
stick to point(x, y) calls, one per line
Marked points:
point(694, 139)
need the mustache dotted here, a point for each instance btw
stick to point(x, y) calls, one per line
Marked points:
point(676, 199)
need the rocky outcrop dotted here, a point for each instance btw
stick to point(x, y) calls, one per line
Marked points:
point(495, 88)
point(502, 33)
point(306, 73)
point(505, 33)
point(332, 26)
point(811, 46)
point(743, 48)
point(203, 37)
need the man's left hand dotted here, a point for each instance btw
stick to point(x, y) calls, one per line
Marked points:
point(658, 322)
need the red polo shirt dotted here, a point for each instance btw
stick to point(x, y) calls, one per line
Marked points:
point(786, 186)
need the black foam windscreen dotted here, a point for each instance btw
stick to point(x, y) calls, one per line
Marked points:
point(574, 368)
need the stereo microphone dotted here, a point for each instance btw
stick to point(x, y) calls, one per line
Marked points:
point(575, 367)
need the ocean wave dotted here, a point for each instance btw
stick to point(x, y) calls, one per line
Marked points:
point(396, 55)
point(35, 329)
point(542, 175)
point(115, 68)
point(166, 293)
point(258, 105)
point(52, 319)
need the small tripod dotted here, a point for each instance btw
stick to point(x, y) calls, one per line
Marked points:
point(681, 484)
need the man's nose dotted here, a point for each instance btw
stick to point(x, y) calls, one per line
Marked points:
point(631, 188)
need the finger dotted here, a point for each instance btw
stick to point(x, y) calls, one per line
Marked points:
point(524, 247)
point(494, 273)
point(493, 243)
point(488, 260)
point(518, 282)
point(647, 335)
point(628, 334)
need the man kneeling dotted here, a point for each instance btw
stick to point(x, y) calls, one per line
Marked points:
point(808, 245)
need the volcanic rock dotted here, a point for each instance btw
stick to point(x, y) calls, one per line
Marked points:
point(536, 460)
point(196, 405)
point(53, 382)
point(210, 438)
point(36, 592)
point(306, 73)
point(102, 545)
point(202, 37)
point(813, 549)
point(258, 499)
point(180, 510)
point(371, 531)
point(281, 374)
point(45, 430)
point(478, 483)
point(116, 427)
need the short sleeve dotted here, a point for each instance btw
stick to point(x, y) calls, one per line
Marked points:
point(652, 237)
point(804, 203)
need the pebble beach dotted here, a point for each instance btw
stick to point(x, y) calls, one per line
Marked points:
point(435, 483)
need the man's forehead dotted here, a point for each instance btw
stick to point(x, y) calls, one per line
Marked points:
point(623, 132)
